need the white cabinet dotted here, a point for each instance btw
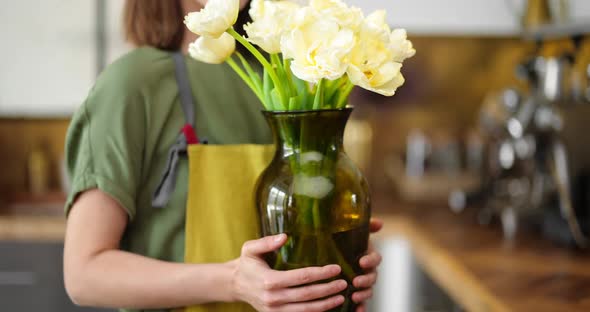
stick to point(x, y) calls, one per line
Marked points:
point(48, 54)
point(461, 17)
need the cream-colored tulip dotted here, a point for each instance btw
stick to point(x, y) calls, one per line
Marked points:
point(378, 19)
point(211, 50)
point(376, 60)
point(384, 79)
point(400, 45)
point(345, 16)
point(214, 19)
point(270, 21)
point(318, 46)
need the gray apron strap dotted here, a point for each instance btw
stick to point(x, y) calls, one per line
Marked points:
point(184, 88)
point(165, 188)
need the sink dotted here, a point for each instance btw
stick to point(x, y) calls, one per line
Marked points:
point(403, 286)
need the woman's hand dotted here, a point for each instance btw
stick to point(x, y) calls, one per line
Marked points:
point(268, 290)
point(369, 263)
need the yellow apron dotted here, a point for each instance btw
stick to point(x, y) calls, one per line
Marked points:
point(220, 212)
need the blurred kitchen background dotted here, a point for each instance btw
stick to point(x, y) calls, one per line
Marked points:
point(480, 165)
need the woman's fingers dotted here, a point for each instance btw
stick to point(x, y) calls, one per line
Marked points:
point(361, 308)
point(370, 261)
point(314, 306)
point(375, 225)
point(308, 293)
point(362, 296)
point(257, 247)
point(365, 281)
point(298, 277)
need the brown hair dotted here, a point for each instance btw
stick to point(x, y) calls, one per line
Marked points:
point(156, 23)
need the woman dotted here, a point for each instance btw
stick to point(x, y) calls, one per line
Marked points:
point(120, 251)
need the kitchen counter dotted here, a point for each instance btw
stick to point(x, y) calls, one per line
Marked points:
point(472, 263)
point(33, 218)
point(32, 228)
point(480, 270)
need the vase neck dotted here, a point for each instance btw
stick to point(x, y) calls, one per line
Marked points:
point(300, 132)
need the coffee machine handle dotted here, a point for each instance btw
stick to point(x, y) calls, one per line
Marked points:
point(559, 172)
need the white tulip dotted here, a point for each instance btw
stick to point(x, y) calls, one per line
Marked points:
point(378, 19)
point(401, 46)
point(345, 16)
point(318, 47)
point(384, 79)
point(213, 51)
point(214, 19)
point(376, 60)
point(270, 20)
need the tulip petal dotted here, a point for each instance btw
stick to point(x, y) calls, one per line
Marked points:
point(211, 50)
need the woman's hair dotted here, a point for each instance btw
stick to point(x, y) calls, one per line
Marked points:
point(156, 23)
point(159, 23)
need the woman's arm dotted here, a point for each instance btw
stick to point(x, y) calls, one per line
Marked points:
point(97, 273)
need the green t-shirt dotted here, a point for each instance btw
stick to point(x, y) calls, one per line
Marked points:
point(119, 139)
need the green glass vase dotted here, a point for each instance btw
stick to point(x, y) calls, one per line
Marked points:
point(315, 194)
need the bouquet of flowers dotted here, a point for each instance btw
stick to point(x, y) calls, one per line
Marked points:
point(316, 53)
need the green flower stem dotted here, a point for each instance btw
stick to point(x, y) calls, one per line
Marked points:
point(255, 76)
point(267, 66)
point(331, 91)
point(317, 218)
point(275, 61)
point(284, 74)
point(319, 95)
point(289, 75)
point(266, 89)
point(246, 79)
point(343, 97)
point(346, 268)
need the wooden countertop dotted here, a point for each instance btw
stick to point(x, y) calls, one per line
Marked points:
point(32, 228)
point(33, 218)
point(480, 270)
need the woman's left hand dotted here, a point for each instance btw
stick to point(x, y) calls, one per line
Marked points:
point(368, 263)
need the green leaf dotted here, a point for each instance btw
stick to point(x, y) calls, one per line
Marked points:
point(267, 86)
point(276, 98)
point(247, 79)
point(304, 92)
point(295, 103)
point(253, 74)
point(289, 77)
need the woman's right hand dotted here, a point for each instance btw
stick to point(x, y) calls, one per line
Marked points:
point(269, 290)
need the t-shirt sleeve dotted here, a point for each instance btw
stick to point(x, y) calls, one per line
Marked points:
point(105, 144)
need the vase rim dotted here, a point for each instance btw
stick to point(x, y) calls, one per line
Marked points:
point(306, 111)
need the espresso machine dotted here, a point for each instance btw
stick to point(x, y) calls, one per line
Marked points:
point(536, 170)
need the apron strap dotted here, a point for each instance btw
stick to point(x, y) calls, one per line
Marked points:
point(167, 184)
point(184, 88)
